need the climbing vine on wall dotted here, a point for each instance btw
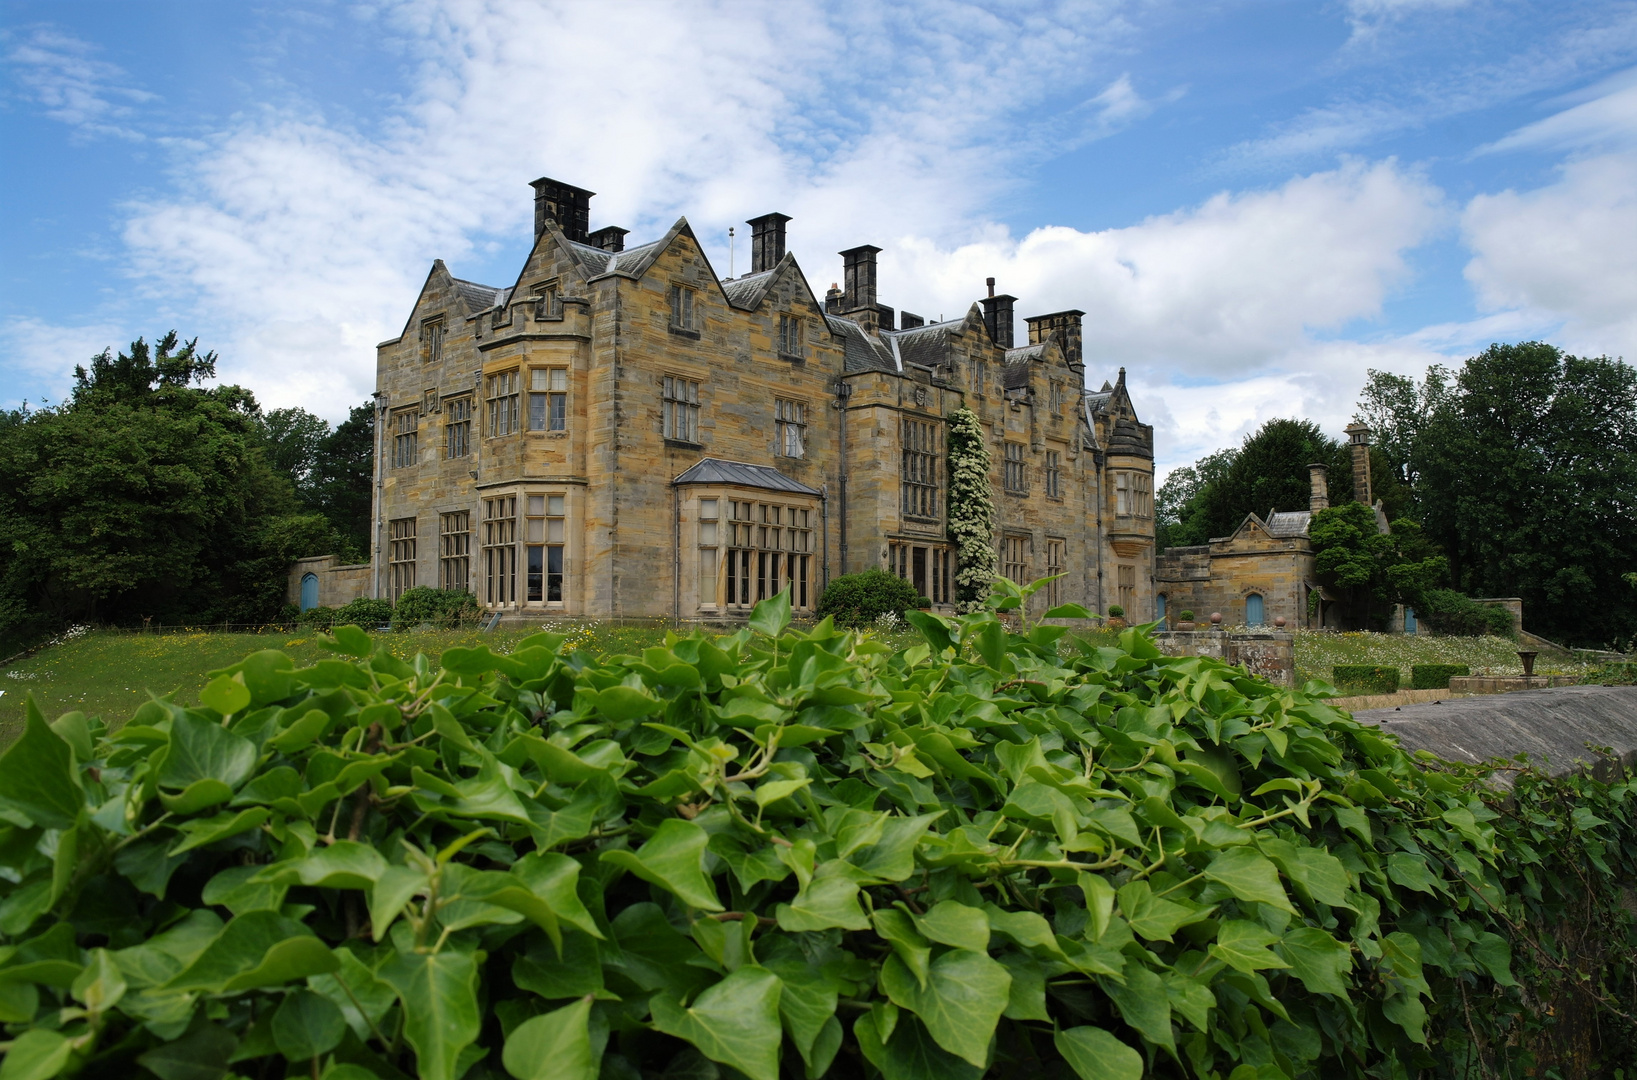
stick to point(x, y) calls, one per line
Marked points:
point(971, 511)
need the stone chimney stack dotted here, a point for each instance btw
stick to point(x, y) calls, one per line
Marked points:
point(997, 316)
point(832, 300)
point(1319, 477)
point(1359, 436)
point(609, 238)
point(858, 277)
point(1066, 323)
point(766, 241)
point(567, 205)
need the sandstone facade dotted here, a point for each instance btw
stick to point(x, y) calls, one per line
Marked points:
point(621, 433)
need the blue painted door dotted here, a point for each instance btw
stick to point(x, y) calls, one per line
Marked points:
point(309, 591)
point(1409, 620)
point(1159, 607)
point(1253, 610)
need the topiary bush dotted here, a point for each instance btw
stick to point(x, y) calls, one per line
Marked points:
point(793, 854)
point(857, 600)
point(440, 607)
point(364, 611)
point(1436, 676)
point(1115, 611)
point(1365, 678)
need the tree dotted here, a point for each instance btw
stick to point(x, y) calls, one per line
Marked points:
point(145, 494)
point(292, 438)
point(971, 511)
point(1527, 477)
point(1268, 472)
point(342, 480)
point(1178, 518)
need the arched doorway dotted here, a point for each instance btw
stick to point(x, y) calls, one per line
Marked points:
point(309, 591)
point(1253, 610)
point(1159, 608)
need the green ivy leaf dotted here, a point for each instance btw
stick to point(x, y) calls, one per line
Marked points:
point(1492, 951)
point(1143, 1003)
point(37, 775)
point(307, 1025)
point(203, 1054)
point(772, 615)
point(439, 995)
point(553, 1046)
point(1409, 871)
point(1094, 1054)
point(953, 923)
point(1151, 917)
point(910, 1052)
point(673, 859)
point(36, 1054)
point(735, 1022)
point(212, 829)
point(898, 930)
point(258, 948)
point(201, 750)
point(829, 899)
point(1244, 945)
point(1319, 960)
point(1249, 875)
point(961, 1003)
point(224, 694)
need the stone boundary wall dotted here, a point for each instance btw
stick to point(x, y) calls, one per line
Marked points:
point(1271, 655)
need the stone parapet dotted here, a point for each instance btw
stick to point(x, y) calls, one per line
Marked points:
point(1269, 655)
point(1505, 684)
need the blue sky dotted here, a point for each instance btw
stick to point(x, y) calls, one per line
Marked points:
point(1255, 202)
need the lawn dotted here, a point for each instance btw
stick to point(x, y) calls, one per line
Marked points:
point(109, 674)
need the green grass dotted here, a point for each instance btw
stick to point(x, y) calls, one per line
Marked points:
point(109, 674)
point(1319, 650)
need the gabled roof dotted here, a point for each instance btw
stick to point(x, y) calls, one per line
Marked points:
point(928, 345)
point(1289, 523)
point(747, 291)
point(742, 474)
point(863, 353)
point(478, 297)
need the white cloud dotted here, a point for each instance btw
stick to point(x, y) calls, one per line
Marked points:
point(61, 75)
point(309, 240)
point(46, 353)
point(1608, 119)
point(1564, 253)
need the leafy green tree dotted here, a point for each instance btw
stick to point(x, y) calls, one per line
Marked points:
point(340, 484)
point(145, 494)
point(292, 438)
point(1527, 477)
point(1268, 472)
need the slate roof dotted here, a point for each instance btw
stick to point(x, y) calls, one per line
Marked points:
point(926, 345)
point(477, 297)
point(742, 474)
point(747, 291)
point(1289, 523)
point(862, 352)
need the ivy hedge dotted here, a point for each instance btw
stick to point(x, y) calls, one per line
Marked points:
point(783, 854)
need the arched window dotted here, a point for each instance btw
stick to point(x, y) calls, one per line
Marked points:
point(1253, 610)
point(309, 591)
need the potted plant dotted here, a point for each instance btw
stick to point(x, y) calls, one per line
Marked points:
point(1185, 620)
point(1116, 617)
point(924, 603)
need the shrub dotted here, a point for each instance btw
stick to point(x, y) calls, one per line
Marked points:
point(793, 855)
point(1115, 611)
point(1449, 612)
point(923, 601)
point(319, 618)
point(1436, 676)
point(857, 600)
point(440, 607)
point(1365, 678)
point(365, 612)
point(289, 613)
point(1186, 616)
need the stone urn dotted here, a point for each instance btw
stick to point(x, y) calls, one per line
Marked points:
point(1528, 659)
point(1279, 623)
point(1216, 620)
point(1186, 625)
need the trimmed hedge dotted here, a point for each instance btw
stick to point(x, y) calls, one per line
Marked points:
point(440, 607)
point(1436, 676)
point(1365, 678)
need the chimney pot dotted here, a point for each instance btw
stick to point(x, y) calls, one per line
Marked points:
point(567, 205)
point(766, 241)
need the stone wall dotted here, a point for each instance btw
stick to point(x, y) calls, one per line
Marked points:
point(1269, 655)
point(338, 583)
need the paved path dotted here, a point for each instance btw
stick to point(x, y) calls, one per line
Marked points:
point(1553, 726)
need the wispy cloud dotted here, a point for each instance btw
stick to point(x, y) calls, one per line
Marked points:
point(1606, 118)
point(61, 75)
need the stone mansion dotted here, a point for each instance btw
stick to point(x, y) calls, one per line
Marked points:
point(622, 433)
